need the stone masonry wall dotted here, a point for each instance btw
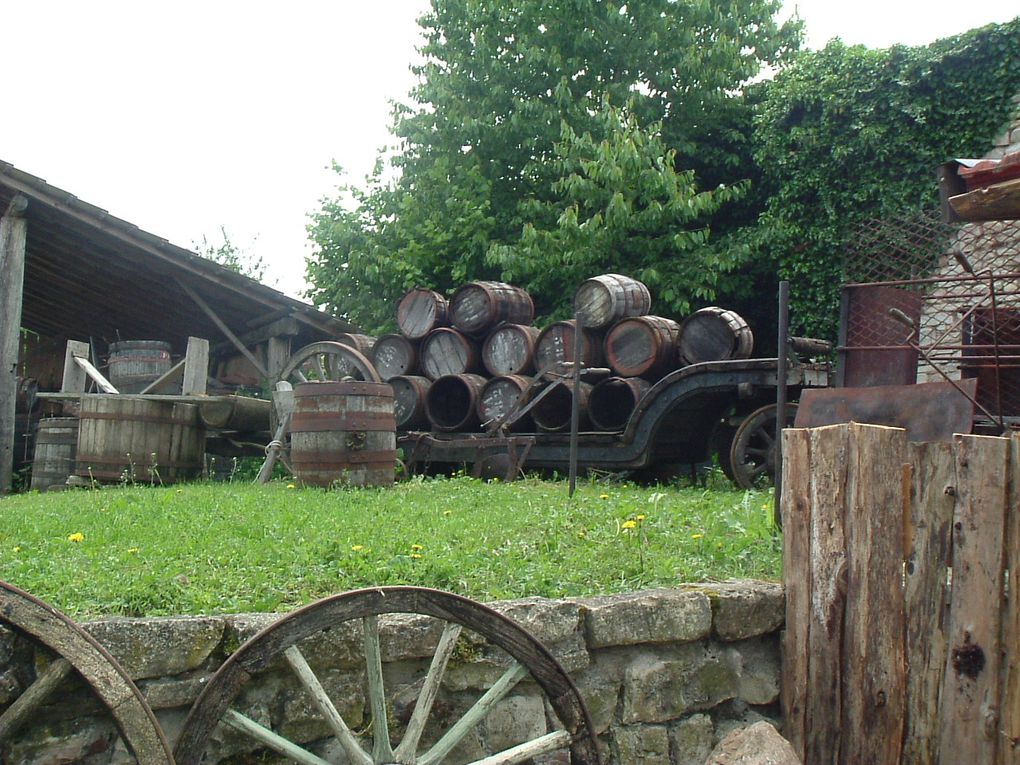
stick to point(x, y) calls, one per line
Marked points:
point(665, 673)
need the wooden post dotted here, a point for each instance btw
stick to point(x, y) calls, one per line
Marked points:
point(277, 356)
point(224, 329)
point(1009, 750)
point(13, 236)
point(196, 367)
point(75, 377)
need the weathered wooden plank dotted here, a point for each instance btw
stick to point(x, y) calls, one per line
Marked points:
point(873, 674)
point(104, 385)
point(75, 378)
point(196, 367)
point(970, 696)
point(795, 504)
point(829, 460)
point(13, 235)
point(1009, 742)
point(927, 551)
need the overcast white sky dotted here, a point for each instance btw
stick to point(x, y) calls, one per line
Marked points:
point(183, 117)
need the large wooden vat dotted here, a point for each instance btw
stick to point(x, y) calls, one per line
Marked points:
point(56, 445)
point(137, 439)
point(603, 300)
point(134, 364)
point(343, 432)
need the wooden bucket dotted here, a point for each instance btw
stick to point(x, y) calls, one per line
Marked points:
point(643, 346)
point(56, 445)
point(409, 393)
point(479, 306)
point(134, 438)
point(714, 334)
point(343, 432)
point(613, 400)
point(420, 311)
point(134, 364)
point(556, 344)
point(499, 396)
point(553, 412)
point(603, 300)
point(510, 350)
point(452, 402)
point(448, 352)
point(394, 355)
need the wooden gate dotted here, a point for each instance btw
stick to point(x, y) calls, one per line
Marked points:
point(902, 642)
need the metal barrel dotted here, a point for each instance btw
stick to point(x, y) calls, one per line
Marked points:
point(134, 364)
point(395, 355)
point(603, 300)
point(448, 352)
point(613, 400)
point(643, 346)
point(510, 350)
point(714, 334)
point(420, 311)
point(477, 307)
point(452, 402)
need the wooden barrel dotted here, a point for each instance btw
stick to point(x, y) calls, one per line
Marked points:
point(134, 364)
point(137, 439)
point(420, 311)
point(603, 300)
point(479, 306)
point(448, 352)
point(643, 346)
point(499, 396)
point(714, 334)
point(613, 400)
point(363, 344)
point(394, 355)
point(452, 402)
point(56, 445)
point(343, 432)
point(553, 412)
point(556, 344)
point(409, 394)
point(510, 350)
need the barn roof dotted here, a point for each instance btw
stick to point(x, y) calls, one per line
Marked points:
point(89, 274)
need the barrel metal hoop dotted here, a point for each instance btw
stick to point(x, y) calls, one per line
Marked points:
point(322, 422)
point(332, 460)
point(154, 418)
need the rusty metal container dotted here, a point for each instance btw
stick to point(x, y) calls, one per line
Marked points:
point(452, 402)
point(714, 334)
point(603, 300)
point(394, 355)
point(613, 400)
point(448, 352)
point(477, 307)
point(343, 432)
point(510, 350)
point(643, 346)
point(134, 364)
point(420, 311)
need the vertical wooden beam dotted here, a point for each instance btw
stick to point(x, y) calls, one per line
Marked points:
point(196, 367)
point(75, 377)
point(277, 356)
point(874, 683)
point(970, 695)
point(1009, 743)
point(13, 236)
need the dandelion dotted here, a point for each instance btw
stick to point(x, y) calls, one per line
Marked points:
point(132, 550)
point(76, 537)
point(603, 496)
point(357, 548)
point(417, 548)
point(416, 556)
point(628, 525)
point(291, 486)
point(697, 536)
point(640, 517)
point(17, 550)
point(447, 512)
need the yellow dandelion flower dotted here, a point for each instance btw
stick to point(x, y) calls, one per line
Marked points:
point(626, 525)
point(76, 537)
point(357, 548)
point(603, 496)
point(417, 547)
point(291, 486)
point(416, 556)
point(697, 536)
point(447, 512)
point(17, 549)
point(132, 550)
point(640, 517)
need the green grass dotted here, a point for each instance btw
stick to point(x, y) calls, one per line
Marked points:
point(225, 548)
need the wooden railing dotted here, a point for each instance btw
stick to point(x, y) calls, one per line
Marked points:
point(902, 642)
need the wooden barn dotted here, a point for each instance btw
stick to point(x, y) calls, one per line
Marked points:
point(72, 271)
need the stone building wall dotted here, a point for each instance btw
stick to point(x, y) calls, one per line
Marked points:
point(665, 673)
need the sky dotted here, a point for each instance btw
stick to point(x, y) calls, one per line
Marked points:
point(190, 117)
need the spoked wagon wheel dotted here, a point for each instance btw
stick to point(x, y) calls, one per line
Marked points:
point(753, 453)
point(364, 738)
point(328, 361)
point(44, 660)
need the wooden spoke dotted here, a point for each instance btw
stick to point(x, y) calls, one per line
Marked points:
point(328, 361)
point(277, 743)
point(351, 747)
point(320, 367)
point(550, 742)
point(381, 750)
point(473, 716)
point(409, 744)
point(22, 708)
point(753, 450)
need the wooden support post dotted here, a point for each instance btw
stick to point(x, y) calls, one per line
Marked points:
point(224, 329)
point(75, 377)
point(13, 235)
point(196, 367)
point(277, 356)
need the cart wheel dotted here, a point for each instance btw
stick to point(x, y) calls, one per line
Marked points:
point(58, 655)
point(219, 703)
point(753, 453)
point(328, 361)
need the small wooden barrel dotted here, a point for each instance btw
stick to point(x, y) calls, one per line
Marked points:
point(556, 343)
point(343, 431)
point(479, 306)
point(134, 364)
point(56, 445)
point(363, 344)
point(499, 396)
point(613, 400)
point(448, 352)
point(603, 300)
point(452, 402)
point(409, 394)
point(553, 412)
point(643, 346)
point(394, 355)
point(510, 350)
point(420, 311)
point(714, 334)
point(135, 438)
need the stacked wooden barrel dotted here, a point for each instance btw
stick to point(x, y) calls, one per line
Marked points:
point(469, 362)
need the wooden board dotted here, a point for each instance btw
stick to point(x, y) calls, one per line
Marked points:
point(1009, 749)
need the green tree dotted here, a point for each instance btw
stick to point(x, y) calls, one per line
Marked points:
point(229, 255)
point(508, 93)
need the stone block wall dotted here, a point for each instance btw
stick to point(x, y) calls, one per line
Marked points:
point(665, 673)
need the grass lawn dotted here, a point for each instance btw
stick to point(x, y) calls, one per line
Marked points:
point(226, 548)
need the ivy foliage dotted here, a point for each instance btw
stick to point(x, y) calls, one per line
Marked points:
point(848, 134)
